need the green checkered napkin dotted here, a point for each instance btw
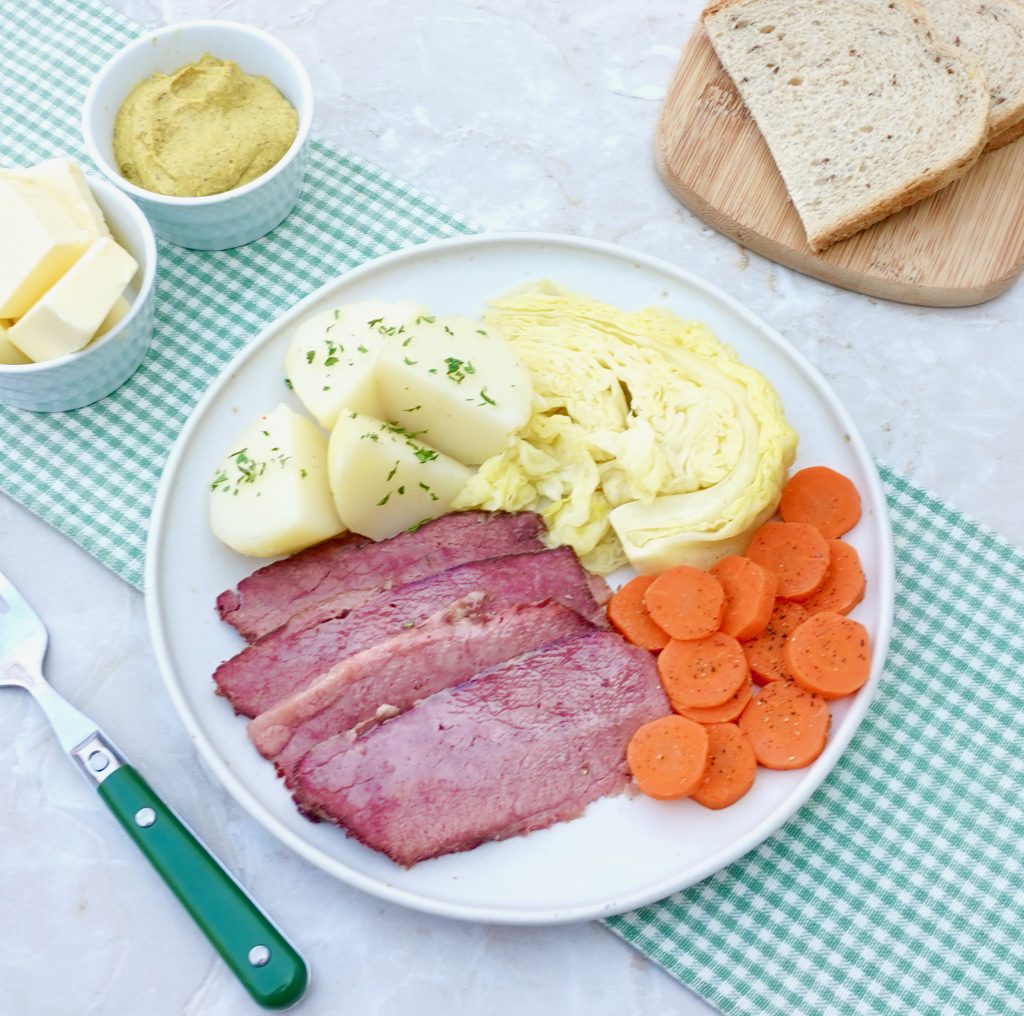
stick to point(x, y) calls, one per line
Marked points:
point(898, 889)
point(92, 473)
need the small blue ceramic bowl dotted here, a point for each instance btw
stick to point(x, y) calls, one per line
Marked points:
point(217, 221)
point(91, 374)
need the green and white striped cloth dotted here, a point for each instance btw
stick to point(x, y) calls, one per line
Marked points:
point(899, 888)
point(92, 473)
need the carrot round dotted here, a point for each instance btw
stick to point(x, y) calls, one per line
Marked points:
point(843, 587)
point(764, 651)
point(668, 756)
point(795, 553)
point(630, 618)
point(686, 602)
point(729, 710)
point(787, 726)
point(829, 655)
point(703, 672)
point(731, 767)
point(749, 596)
point(822, 498)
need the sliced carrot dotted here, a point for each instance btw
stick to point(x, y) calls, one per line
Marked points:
point(795, 553)
point(630, 618)
point(729, 710)
point(749, 596)
point(668, 756)
point(731, 767)
point(829, 655)
point(764, 651)
point(686, 602)
point(844, 582)
point(822, 498)
point(787, 726)
point(698, 673)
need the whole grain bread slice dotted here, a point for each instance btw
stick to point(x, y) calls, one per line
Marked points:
point(992, 31)
point(863, 108)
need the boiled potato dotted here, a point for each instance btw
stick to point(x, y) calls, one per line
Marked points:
point(456, 383)
point(384, 479)
point(270, 493)
point(331, 359)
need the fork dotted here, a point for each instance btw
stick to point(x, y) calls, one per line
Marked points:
point(267, 964)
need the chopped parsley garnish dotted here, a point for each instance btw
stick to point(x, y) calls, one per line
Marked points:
point(394, 469)
point(310, 356)
point(384, 500)
point(412, 409)
point(456, 369)
point(410, 363)
point(374, 322)
point(362, 348)
point(330, 361)
point(485, 398)
point(288, 383)
point(424, 318)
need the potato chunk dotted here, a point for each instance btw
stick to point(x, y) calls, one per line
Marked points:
point(456, 383)
point(384, 479)
point(270, 493)
point(331, 359)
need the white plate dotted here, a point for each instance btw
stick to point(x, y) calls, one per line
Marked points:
point(625, 851)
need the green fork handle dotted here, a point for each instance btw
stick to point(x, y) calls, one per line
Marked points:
point(266, 963)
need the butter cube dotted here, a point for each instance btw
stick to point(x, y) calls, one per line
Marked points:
point(64, 180)
point(9, 352)
point(39, 242)
point(69, 314)
point(118, 311)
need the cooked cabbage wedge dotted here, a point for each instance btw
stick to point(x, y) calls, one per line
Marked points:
point(649, 441)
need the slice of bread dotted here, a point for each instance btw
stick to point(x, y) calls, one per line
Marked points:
point(864, 110)
point(992, 31)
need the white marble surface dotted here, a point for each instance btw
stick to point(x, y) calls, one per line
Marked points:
point(526, 114)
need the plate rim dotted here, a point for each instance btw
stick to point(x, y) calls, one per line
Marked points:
point(837, 743)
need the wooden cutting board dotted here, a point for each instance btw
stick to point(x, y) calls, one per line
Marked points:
point(962, 246)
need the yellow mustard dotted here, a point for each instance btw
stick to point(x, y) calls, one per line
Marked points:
point(207, 128)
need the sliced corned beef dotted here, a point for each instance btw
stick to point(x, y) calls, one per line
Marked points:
point(311, 642)
point(350, 568)
point(446, 649)
point(528, 743)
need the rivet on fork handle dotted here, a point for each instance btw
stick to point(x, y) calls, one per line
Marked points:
point(97, 758)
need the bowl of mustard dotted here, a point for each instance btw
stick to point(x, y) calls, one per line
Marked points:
point(205, 125)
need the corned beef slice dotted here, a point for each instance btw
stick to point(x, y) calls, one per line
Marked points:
point(448, 648)
point(350, 568)
point(309, 644)
point(528, 743)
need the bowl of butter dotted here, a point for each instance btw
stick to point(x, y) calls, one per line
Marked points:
point(77, 284)
point(205, 125)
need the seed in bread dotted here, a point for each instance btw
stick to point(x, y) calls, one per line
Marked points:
point(864, 110)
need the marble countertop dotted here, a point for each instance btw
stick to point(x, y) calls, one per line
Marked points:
point(520, 115)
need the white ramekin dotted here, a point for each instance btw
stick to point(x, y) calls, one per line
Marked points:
point(91, 374)
point(223, 220)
